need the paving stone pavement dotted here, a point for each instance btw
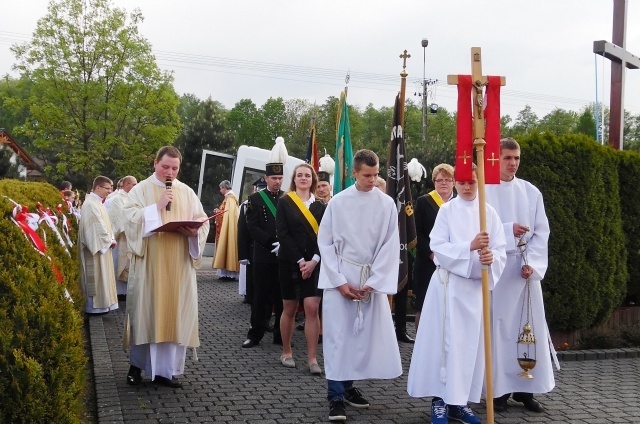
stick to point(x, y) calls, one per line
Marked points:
point(231, 384)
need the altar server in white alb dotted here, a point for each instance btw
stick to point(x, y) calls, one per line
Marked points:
point(162, 297)
point(521, 209)
point(359, 243)
point(95, 244)
point(448, 357)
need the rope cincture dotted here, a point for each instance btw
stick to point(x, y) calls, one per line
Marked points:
point(364, 276)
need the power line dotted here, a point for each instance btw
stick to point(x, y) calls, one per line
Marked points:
point(325, 76)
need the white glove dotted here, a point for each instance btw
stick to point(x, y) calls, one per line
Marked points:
point(276, 247)
point(244, 262)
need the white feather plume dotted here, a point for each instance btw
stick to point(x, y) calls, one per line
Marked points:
point(416, 170)
point(278, 152)
point(327, 164)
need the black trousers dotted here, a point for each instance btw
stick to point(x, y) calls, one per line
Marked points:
point(266, 297)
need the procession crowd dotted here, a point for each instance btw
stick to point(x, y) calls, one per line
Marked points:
point(334, 258)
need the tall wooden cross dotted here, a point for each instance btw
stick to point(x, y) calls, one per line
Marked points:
point(620, 59)
point(479, 82)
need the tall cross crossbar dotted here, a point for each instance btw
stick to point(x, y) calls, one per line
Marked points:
point(620, 59)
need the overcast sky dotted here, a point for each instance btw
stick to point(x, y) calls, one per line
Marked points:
point(237, 49)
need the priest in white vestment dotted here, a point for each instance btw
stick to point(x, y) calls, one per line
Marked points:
point(115, 208)
point(448, 357)
point(359, 242)
point(95, 243)
point(521, 209)
point(162, 298)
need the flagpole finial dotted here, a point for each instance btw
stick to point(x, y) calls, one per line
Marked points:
point(404, 56)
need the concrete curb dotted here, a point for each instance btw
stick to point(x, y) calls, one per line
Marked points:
point(107, 397)
point(593, 354)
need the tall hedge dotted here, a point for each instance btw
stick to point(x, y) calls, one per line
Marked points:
point(587, 274)
point(629, 174)
point(42, 358)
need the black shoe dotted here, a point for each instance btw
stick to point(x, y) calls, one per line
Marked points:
point(336, 411)
point(300, 326)
point(354, 397)
point(173, 383)
point(133, 377)
point(500, 404)
point(249, 343)
point(404, 338)
point(529, 402)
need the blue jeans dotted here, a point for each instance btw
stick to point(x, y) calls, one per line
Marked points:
point(336, 389)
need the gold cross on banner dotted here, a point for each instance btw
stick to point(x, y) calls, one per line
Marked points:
point(464, 157)
point(493, 159)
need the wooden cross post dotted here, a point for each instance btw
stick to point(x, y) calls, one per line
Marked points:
point(479, 81)
point(620, 59)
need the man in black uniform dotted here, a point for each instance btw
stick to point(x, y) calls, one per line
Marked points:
point(261, 223)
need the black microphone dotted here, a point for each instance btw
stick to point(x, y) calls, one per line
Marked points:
point(167, 185)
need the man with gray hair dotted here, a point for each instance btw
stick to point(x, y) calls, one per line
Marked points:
point(226, 256)
point(121, 257)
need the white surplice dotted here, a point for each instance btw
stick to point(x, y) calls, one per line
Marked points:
point(359, 227)
point(450, 365)
point(518, 201)
point(162, 298)
point(95, 237)
point(115, 208)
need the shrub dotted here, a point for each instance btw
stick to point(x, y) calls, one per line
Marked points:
point(629, 175)
point(587, 274)
point(41, 336)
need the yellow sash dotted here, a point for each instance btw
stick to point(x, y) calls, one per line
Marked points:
point(436, 198)
point(305, 211)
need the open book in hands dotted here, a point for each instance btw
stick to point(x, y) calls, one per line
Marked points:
point(172, 227)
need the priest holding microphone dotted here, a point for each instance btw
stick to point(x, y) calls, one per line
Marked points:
point(162, 301)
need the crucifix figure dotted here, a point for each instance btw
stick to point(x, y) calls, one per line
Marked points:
point(620, 59)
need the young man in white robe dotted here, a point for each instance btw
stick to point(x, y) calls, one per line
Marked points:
point(162, 297)
point(448, 357)
point(359, 242)
point(95, 244)
point(521, 209)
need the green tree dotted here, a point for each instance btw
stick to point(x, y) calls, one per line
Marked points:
point(99, 103)
point(245, 123)
point(206, 130)
point(274, 116)
point(526, 122)
point(298, 114)
point(586, 123)
point(11, 115)
point(558, 122)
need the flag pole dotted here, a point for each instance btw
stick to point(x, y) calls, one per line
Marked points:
point(478, 142)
